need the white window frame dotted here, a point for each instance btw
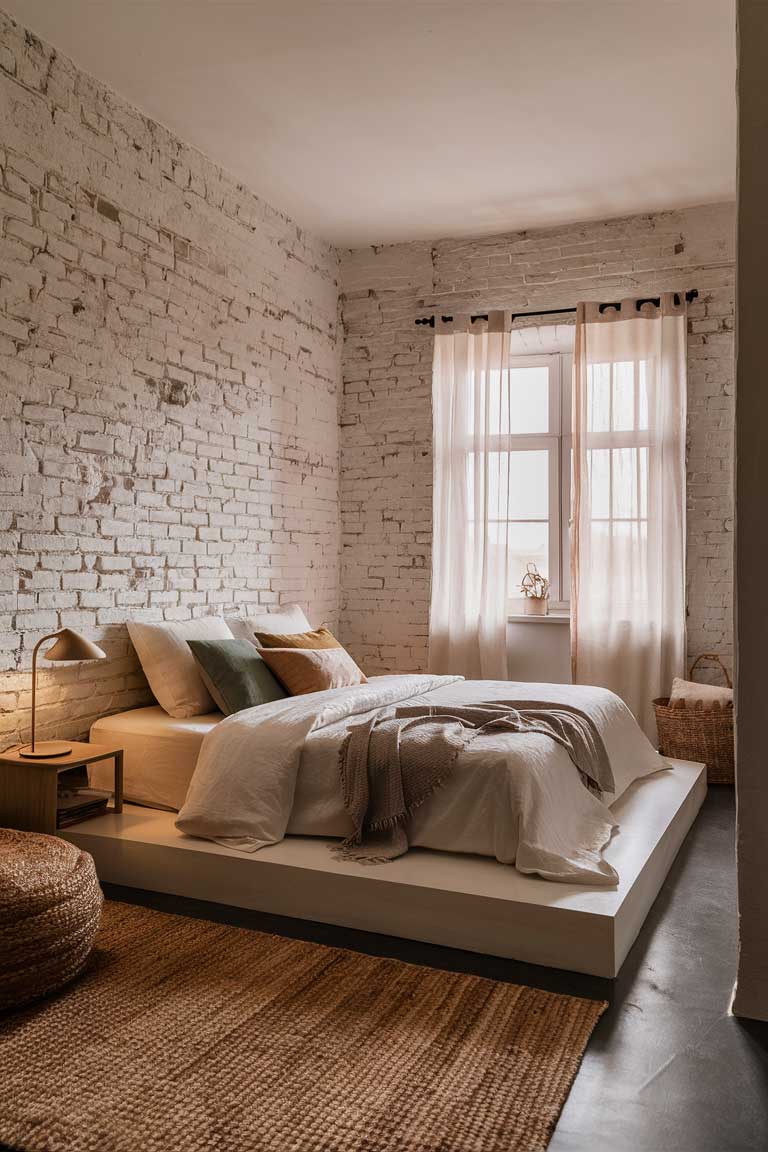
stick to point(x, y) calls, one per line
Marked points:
point(557, 442)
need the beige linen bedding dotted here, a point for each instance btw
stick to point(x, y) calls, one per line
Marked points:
point(273, 770)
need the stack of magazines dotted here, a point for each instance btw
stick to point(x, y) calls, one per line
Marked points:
point(75, 804)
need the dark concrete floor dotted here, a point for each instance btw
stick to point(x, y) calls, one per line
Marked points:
point(668, 1069)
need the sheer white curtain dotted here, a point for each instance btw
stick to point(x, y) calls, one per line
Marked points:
point(470, 399)
point(628, 527)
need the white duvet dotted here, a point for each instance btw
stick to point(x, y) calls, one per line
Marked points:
point(273, 770)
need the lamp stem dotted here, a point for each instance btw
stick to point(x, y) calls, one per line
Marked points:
point(50, 636)
point(34, 689)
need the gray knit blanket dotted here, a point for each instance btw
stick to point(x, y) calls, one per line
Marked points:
point(393, 761)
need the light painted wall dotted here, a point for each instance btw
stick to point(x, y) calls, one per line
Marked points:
point(169, 379)
point(539, 651)
point(751, 531)
point(386, 410)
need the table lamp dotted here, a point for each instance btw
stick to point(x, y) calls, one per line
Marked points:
point(69, 646)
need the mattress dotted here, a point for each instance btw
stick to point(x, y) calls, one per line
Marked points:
point(160, 754)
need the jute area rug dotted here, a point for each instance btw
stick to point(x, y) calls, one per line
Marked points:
point(189, 1036)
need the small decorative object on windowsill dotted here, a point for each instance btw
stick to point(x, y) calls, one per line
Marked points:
point(71, 646)
point(535, 588)
point(698, 729)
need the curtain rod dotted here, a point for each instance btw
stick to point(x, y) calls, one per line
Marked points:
point(655, 300)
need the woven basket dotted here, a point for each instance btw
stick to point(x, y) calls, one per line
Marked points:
point(702, 734)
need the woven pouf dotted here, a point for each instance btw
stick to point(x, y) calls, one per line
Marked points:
point(50, 909)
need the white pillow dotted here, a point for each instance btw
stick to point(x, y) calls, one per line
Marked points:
point(286, 621)
point(692, 694)
point(169, 665)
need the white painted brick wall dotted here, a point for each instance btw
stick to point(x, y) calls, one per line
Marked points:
point(169, 368)
point(386, 407)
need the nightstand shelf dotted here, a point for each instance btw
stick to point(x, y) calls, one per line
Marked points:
point(29, 788)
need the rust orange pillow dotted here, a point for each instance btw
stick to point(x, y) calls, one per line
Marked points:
point(303, 670)
point(318, 638)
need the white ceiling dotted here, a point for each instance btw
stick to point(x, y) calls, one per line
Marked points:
point(382, 120)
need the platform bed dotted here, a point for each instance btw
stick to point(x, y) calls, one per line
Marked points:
point(460, 901)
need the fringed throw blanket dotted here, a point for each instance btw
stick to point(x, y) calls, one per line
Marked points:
point(395, 759)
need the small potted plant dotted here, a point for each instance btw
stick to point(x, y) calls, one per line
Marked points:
point(535, 588)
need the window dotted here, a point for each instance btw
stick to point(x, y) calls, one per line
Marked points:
point(533, 469)
point(619, 461)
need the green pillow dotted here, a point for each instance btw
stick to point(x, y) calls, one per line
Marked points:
point(235, 674)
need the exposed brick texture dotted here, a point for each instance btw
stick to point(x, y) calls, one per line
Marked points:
point(386, 407)
point(169, 375)
point(170, 365)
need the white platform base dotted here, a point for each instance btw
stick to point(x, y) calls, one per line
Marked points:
point(460, 901)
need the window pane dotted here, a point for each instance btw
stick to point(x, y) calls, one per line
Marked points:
point(599, 461)
point(515, 484)
point(642, 395)
point(618, 396)
point(618, 483)
point(528, 485)
point(529, 399)
point(528, 544)
point(624, 397)
point(630, 483)
point(519, 400)
point(599, 403)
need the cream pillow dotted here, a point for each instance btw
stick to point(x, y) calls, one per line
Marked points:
point(169, 665)
point(691, 694)
point(288, 619)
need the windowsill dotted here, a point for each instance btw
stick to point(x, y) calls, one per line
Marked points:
point(551, 618)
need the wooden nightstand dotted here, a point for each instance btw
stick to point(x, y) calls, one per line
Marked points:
point(28, 788)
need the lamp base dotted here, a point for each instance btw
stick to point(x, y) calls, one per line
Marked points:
point(45, 749)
